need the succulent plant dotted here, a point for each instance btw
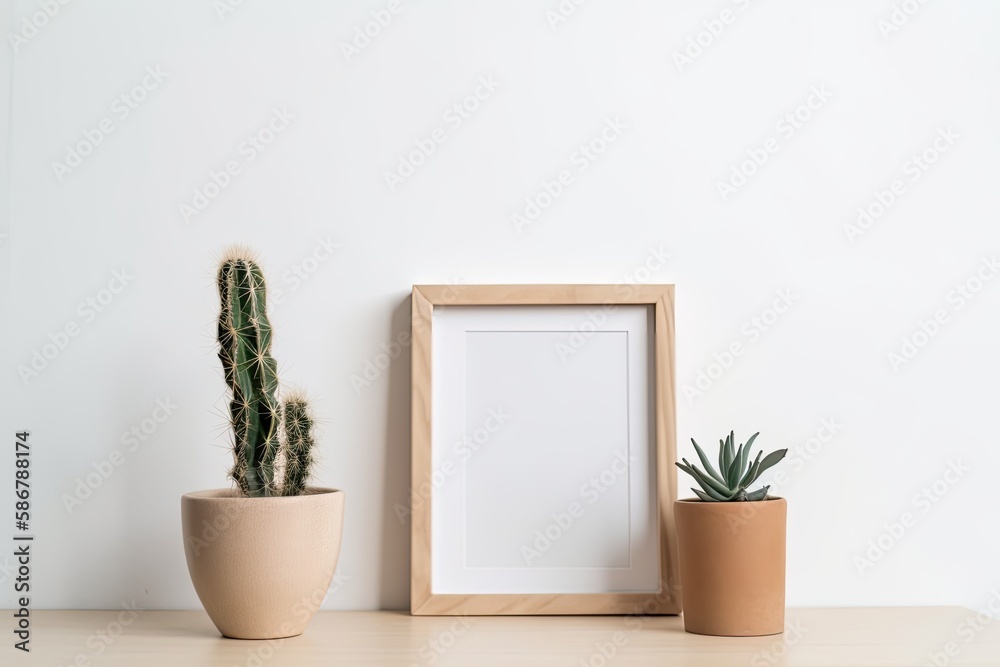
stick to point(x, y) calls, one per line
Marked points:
point(298, 445)
point(735, 473)
point(244, 336)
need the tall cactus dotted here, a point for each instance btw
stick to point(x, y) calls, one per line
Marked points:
point(244, 335)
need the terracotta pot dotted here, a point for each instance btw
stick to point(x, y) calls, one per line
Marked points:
point(732, 566)
point(262, 566)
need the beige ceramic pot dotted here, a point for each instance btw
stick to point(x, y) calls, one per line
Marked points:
point(732, 566)
point(262, 566)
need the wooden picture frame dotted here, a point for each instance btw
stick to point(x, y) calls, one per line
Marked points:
point(447, 593)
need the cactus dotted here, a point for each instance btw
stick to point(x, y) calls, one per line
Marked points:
point(735, 473)
point(299, 443)
point(244, 336)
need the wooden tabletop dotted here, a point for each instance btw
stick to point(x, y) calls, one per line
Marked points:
point(864, 636)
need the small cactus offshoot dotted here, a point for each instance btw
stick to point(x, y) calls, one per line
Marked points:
point(244, 336)
point(735, 472)
point(298, 445)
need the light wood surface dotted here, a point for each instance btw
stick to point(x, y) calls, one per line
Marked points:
point(821, 637)
point(423, 600)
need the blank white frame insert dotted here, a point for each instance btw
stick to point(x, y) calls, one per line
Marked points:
point(543, 451)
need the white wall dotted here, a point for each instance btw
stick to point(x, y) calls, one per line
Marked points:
point(655, 187)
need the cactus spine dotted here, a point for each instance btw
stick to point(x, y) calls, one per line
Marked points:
point(299, 443)
point(244, 336)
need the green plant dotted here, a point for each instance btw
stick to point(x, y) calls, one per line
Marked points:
point(299, 444)
point(244, 336)
point(735, 472)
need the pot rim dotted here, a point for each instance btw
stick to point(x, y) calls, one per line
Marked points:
point(224, 495)
point(737, 503)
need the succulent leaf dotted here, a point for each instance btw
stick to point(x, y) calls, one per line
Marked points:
point(730, 453)
point(735, 473)
point(752, 472)
point(704, 496)
point(705, 462)
point(746, 455)
point(771, 459)
point(722, 457)
point(716, 496)
point(705, 481)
